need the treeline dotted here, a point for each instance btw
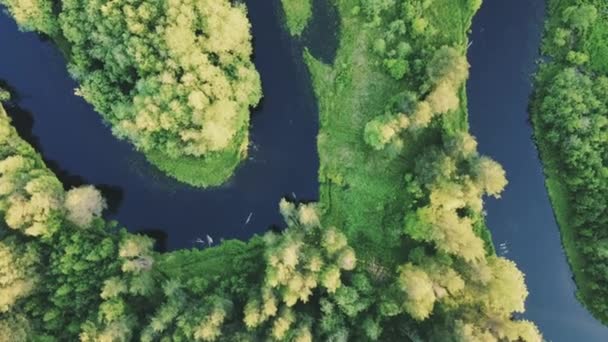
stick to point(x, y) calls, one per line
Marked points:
point(175, 78)
point(570, 116)
point(68, 275)
point(56, 252)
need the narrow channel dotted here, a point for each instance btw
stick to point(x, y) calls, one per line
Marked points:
point(505, 48)
point(80, 149)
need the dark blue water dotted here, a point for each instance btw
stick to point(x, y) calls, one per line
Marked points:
point(72, 139)
point(506, 37)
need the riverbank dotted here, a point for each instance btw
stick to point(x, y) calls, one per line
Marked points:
point(214, 169)
point(560, 202)
point(568, 112)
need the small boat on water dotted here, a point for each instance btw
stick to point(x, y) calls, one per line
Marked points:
point(249, 218)
point(503, 248)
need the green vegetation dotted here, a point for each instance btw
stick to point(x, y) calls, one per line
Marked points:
point(34, 15)
point(55, 251)
point(398, 169)
point(396, 249)
point(570, 117)
point(297, 15)
point(5, 95)
point(180, 92)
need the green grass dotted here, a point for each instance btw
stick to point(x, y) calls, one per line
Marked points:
point(297, 15)
point(362, 190)
point(213, 169)
point(225, 263)
point(452, 19)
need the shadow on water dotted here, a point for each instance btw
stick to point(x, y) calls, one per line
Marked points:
point(321, 35)
point(23, 121)
point(160, 238)
point(323, 32)
point(80, 149)
point(114, 196)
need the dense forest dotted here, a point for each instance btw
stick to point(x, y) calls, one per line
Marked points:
point(395, 250)
point(570, 116)
point(175, 78)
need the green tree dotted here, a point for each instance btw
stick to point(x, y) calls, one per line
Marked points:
point(14, 328)
point(33, 15)
point(83, 204)
point(5, 95)
point(18, 273)
point(580, 17)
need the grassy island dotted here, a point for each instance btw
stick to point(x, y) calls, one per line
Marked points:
point(570, 116)
point(395, 250)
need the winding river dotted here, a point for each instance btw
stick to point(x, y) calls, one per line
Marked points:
point(283, 160)
point(80, 149)
point(505, 47)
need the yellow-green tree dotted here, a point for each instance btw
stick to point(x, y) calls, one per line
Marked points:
point(83, 204)
point(33, 15)
point(18, 274)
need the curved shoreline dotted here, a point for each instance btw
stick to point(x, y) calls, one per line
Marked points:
point(566, 198)
point(504, 59)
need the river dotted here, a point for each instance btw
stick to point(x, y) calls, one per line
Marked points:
point(283, 160)
point(81, 150)
point(505, 47)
